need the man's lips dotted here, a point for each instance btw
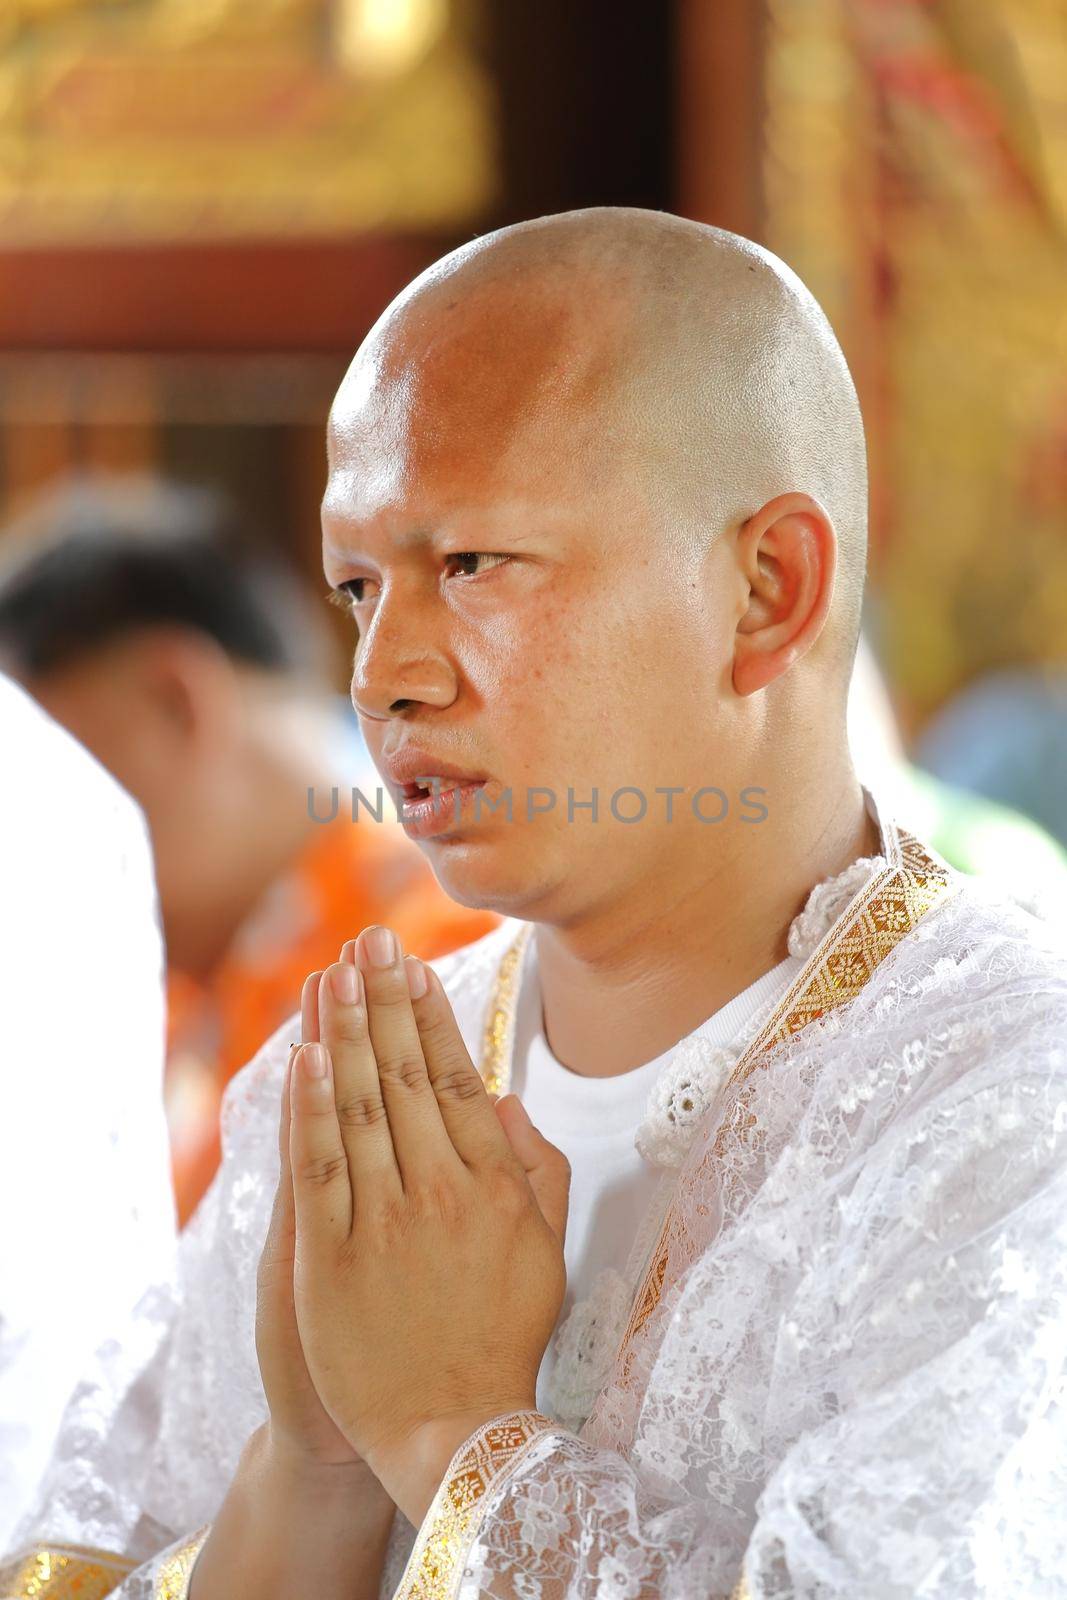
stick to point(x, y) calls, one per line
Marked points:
point(415, 773)
point(438, 788)
point(427, 813)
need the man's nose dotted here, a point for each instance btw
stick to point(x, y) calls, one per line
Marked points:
point(399, 663)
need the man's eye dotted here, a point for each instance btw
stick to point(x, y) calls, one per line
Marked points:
point(349, 594)
point(468, 560)
point(465, 564)
point(356, 589)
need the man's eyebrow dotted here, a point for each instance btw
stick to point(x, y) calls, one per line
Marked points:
point(488, 524)
point(411, 539)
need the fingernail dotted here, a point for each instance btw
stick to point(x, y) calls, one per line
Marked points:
point(418, 977)
point(344, 981)
point(314, 1061)
point(381, 946)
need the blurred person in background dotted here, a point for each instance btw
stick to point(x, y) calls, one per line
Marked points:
point(86, 1209)
point(999, 841)
point(1004, 737)
point(142, 617)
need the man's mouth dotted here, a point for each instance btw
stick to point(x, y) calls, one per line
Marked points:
point(437, 788)
point(438, 806)
point(432, 796)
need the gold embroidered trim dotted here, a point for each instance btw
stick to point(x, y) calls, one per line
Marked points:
point(500, 1023)
point(873, 923)
point(883, 912)
point(172, 1580)
point(63, 1572)
point(450, 1527)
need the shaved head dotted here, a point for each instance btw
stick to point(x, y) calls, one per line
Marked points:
point(597, 504)
point(684, 353)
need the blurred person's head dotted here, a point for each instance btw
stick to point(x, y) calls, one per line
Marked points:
point(144, 619)
point(597, 496)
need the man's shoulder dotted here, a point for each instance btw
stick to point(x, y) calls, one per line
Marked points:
point(1014, 936)
point(981, 982)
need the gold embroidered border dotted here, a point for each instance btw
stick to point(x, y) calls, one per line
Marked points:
point(449, 1528)
point(172, 1580)
point(63, 1572)
point(78, 1572)
point(883, 913)
point(500, 1023)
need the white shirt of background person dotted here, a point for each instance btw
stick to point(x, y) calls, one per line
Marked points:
point(86, 1204)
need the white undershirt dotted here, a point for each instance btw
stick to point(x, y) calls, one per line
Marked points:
point(594, 1120)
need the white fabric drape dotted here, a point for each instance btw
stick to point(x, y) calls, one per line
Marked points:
point(858, 1386)
point(86, 1207)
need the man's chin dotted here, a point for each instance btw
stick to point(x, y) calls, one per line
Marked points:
point(482, 873)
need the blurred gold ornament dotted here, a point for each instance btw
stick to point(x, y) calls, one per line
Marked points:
point(384, 37)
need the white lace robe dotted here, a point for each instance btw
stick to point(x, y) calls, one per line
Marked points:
point(857, 1387)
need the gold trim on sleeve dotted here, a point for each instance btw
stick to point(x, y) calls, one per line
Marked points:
point(172, 1580)
point(79, 1572)
point(63, 1572)
point(451, 1525)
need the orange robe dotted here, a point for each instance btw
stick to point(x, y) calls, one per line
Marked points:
point(347, 877)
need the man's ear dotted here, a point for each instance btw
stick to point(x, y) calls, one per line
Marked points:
point(787, 553)
point(192, 683)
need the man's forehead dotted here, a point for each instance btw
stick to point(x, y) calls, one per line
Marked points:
point(492, 358)
point(448, 481)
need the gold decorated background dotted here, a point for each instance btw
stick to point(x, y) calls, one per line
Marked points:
point(147, 120)
point(915, 174)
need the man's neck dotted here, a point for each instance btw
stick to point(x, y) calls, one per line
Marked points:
point(620, 991)
point(258, 844)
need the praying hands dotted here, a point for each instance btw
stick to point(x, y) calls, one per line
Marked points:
point(408, 1285)
point(428, 1270)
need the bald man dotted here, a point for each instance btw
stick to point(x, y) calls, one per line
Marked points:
point(596, 505)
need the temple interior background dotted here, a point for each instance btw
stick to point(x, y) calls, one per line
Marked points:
point(204, 207)
point(204, 204)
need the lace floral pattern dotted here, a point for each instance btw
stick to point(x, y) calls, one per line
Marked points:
point(826, 902)
point(585, 1347)
point(679, 1103)
point(684, 1093)
point(858, 1387)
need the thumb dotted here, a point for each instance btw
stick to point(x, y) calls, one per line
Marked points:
point(547, 1169)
